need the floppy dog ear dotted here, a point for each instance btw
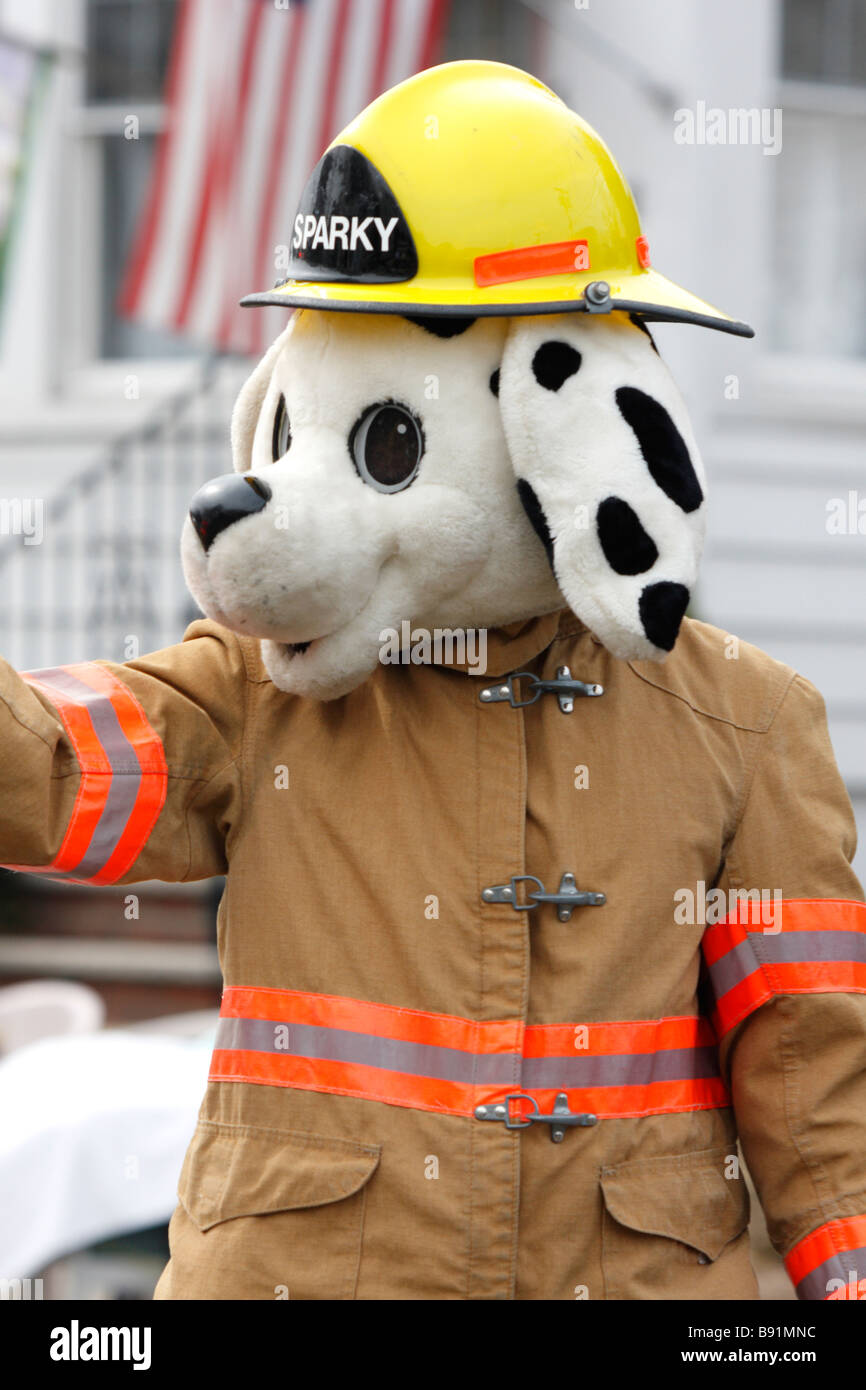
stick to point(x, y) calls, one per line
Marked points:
point(608, 473)
point(248, 405)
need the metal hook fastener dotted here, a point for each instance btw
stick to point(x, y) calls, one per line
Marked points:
point(566, 898)
point(507, 892)
point(560, 1119)
point(564, 687)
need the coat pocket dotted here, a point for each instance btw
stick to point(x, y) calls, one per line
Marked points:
point(676, 1227)
point(268, 1214)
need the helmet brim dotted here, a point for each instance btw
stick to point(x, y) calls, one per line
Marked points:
point(649, 294)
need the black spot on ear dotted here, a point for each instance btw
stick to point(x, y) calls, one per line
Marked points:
point(661, 607)
point(641, 324)
point(535, 512)
point(442, 325)
point(554, 363)
point(627, 547)
point(494, 382)
point(662, 446)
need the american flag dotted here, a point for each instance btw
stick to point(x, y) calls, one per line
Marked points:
point(256, 90)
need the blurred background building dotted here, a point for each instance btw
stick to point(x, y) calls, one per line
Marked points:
point(742, 130)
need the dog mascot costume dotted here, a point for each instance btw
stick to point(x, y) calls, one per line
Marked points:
point(516, 949)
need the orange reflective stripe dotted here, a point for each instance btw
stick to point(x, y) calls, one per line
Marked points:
point(835, 1254)
point(454, 1098)
point(650, 1035)
point(636, 1102)
point(360, 1016)
point(797, 914)
point(150, 755)
point(813, 977)
point(805, 946)
point(130, 713)
point(441, 1062)
point(351, 1079)
point(92, 791)
point(529, 262)
point(124, 777)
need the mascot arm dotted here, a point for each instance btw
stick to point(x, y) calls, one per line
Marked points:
point(789, 978)
point(114, 773)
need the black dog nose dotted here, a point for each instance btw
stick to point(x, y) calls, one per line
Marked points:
point(224, 500)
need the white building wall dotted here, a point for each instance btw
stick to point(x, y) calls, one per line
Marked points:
point(791, 439)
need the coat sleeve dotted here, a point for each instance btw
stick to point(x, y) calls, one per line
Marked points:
point(789, 980)
point(114, 773)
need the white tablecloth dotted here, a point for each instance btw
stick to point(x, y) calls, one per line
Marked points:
point(93, 1131)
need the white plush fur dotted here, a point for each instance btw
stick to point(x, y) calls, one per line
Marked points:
point(575, 449)
point(333, 562)
point(454, 549)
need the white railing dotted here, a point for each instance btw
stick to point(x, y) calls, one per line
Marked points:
point(105, 578)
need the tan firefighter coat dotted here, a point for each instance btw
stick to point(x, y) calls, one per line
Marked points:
point(381, 1002)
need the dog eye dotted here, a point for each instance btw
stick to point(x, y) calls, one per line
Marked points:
point(281, 439)
point(386, 446)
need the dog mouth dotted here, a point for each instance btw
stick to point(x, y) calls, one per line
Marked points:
point(297, 648)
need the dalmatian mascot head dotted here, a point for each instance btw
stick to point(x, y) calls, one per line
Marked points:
point(466, 422)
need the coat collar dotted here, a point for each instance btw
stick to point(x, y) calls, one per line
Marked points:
point(514, 644)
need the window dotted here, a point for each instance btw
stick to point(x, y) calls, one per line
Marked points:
point(127, 48)
point(824, 40)
point(820, 244)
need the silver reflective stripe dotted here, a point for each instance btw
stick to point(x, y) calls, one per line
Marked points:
point(730, 969)
point(122, 758)
point(451, 1064)
point(394, 1054)
point(851, 1264)
point(620, 1069)
point(811, 945)
point(778, 948)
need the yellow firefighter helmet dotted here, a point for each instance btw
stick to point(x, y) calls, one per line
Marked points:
point(472, 189)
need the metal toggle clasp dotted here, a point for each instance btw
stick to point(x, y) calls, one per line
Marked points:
point(507, 892)
point(560, 1119)
point(567, 897)
point(563, 687)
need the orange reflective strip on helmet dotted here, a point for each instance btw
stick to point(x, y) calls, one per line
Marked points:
point(444, 1063)
point(809, 946)
point(833, 1255)
point(528, 262)
point(124, 776)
